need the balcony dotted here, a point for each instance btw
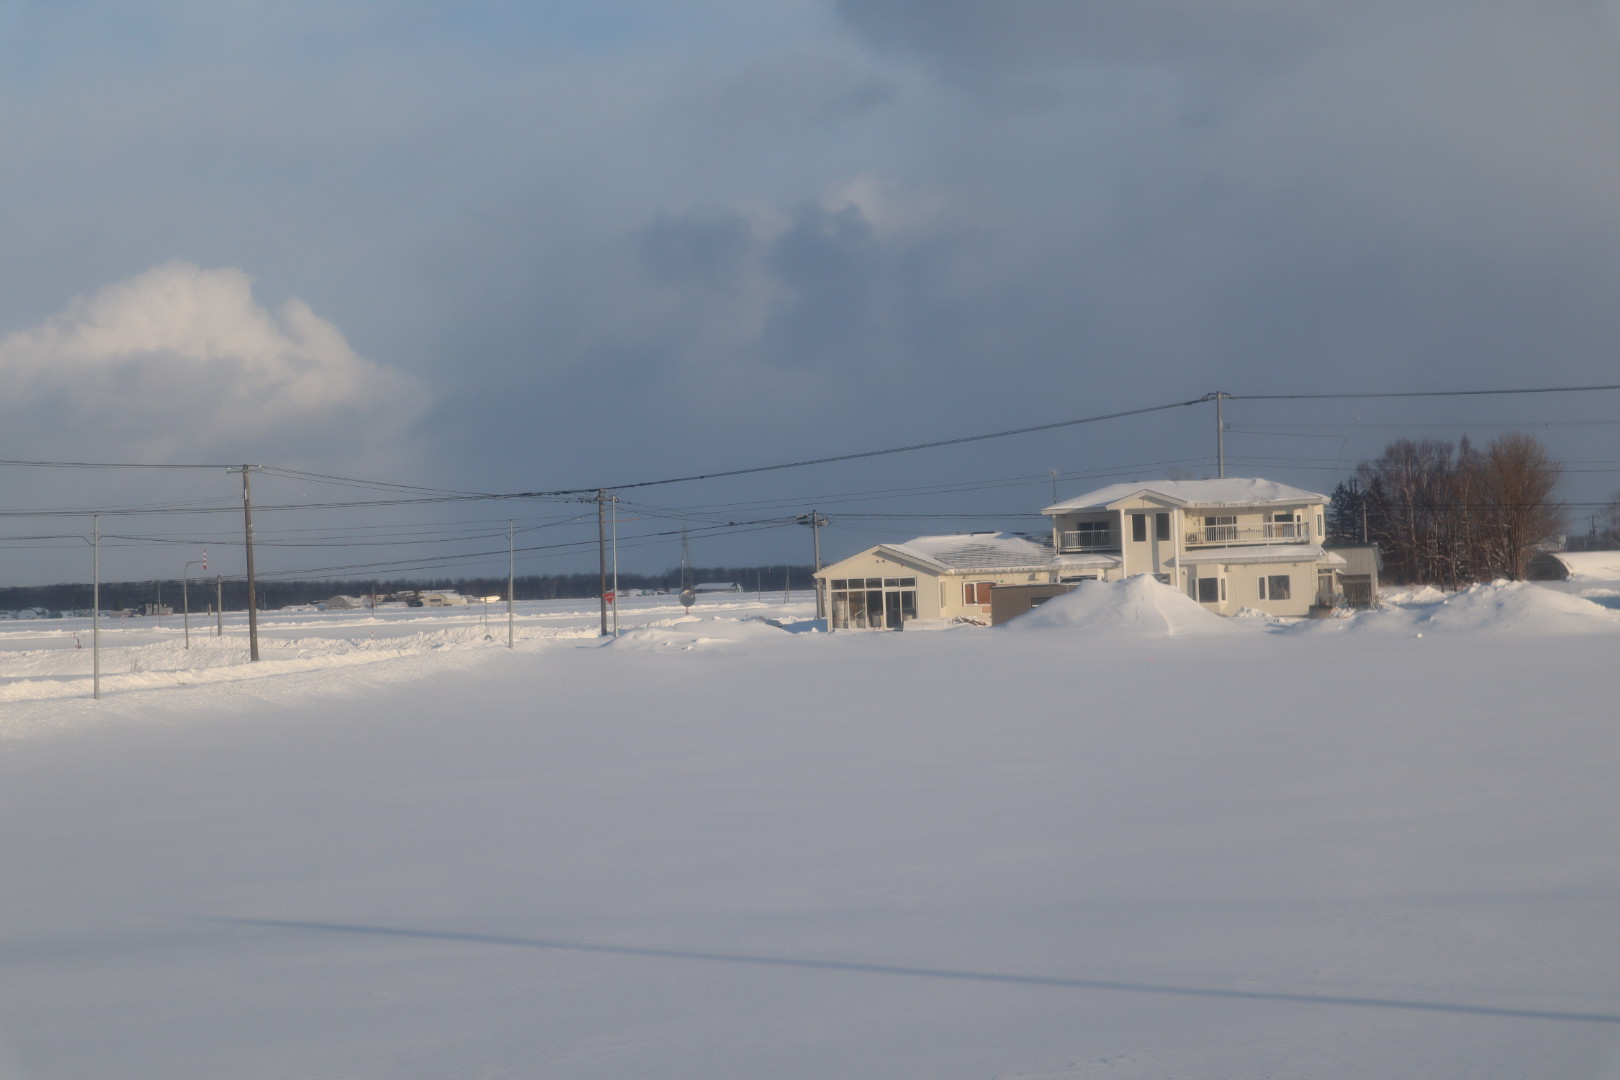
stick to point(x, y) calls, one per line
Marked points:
point(1272, 532)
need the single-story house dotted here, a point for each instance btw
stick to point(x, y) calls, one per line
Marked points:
point(942, 578)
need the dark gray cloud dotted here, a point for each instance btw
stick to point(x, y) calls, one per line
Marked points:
point(736, 235)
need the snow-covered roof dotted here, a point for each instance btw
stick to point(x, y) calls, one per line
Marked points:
point(1258, 553)
point(977, 551)
point(1231, 491)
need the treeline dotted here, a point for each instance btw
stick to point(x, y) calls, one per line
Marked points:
point(1452, 514)
point(279, 592)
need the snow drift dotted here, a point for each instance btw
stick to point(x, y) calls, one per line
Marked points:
point(1136, 607)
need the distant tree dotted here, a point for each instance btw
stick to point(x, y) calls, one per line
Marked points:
point(1412, 480)
point(1517, 515)
point(1449, 515)
point(1348, 511)
point(1605, 532)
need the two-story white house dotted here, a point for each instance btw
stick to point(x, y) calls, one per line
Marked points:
point(1229, 544)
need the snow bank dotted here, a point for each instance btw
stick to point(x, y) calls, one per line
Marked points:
point(1136, 607)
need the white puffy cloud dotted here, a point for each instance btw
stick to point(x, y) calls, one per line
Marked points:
point(181, 362)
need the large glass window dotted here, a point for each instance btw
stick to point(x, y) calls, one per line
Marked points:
point(872, 603)
point(1209, 590)
point(1280, 586)
point(1218, 528)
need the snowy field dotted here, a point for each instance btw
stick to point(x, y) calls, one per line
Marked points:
point(1124, 839)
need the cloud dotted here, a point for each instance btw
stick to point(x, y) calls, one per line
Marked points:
point(987, 45)
point(181, 362)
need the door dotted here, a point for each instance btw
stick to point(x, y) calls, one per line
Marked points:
point(891, 611)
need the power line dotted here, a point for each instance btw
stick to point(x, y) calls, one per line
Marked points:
point(1422, 393)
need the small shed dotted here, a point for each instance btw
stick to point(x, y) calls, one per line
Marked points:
point(1011, 601)
point(1358, 579)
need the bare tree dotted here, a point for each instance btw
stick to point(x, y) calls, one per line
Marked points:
point(1452, 516)
point(1517, 483)
point(1409, 482)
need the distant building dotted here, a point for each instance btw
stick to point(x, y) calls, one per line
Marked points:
point(942, 577)
point(442, 598)
point(1229, 544)
point(717, 586)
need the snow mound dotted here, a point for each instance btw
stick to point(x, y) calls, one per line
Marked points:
point(1422, 594)
point(1501, 607)
point(1520, 606)
point(1136, 607)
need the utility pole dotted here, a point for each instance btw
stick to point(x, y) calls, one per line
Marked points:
point(601, 555)
point(185, 592)
point(95, 604)
point(511, 579)
point(615, 565)
point(219, 606)
point(1218, 397)
point(816, 521)
point(252, 592)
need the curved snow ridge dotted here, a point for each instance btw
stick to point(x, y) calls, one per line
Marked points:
point(691, 632)
point(1136, 607)
point(142, 676)
point(48, 674)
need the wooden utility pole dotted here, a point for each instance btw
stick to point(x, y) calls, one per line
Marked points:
point(601, 555)
point(815, 521)
point(252, 593)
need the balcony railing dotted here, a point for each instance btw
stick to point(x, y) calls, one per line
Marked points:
point(1272, 532)
point(1073, 542)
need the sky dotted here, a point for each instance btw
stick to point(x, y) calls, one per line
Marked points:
point(498, 247)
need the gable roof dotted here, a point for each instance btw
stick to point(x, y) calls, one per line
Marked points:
point(977, 551)
point(1231, 491)
point(984, 553)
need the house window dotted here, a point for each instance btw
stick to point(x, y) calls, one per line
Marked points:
point(1283, 525)
point(1161, 526)
point(1209, 590)
point(1280, 586)
point(1138, 527)
point(1219, 528)
point(976, 592)
point(1262, 587)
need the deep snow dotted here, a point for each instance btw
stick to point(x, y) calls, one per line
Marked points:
point(716, 848)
